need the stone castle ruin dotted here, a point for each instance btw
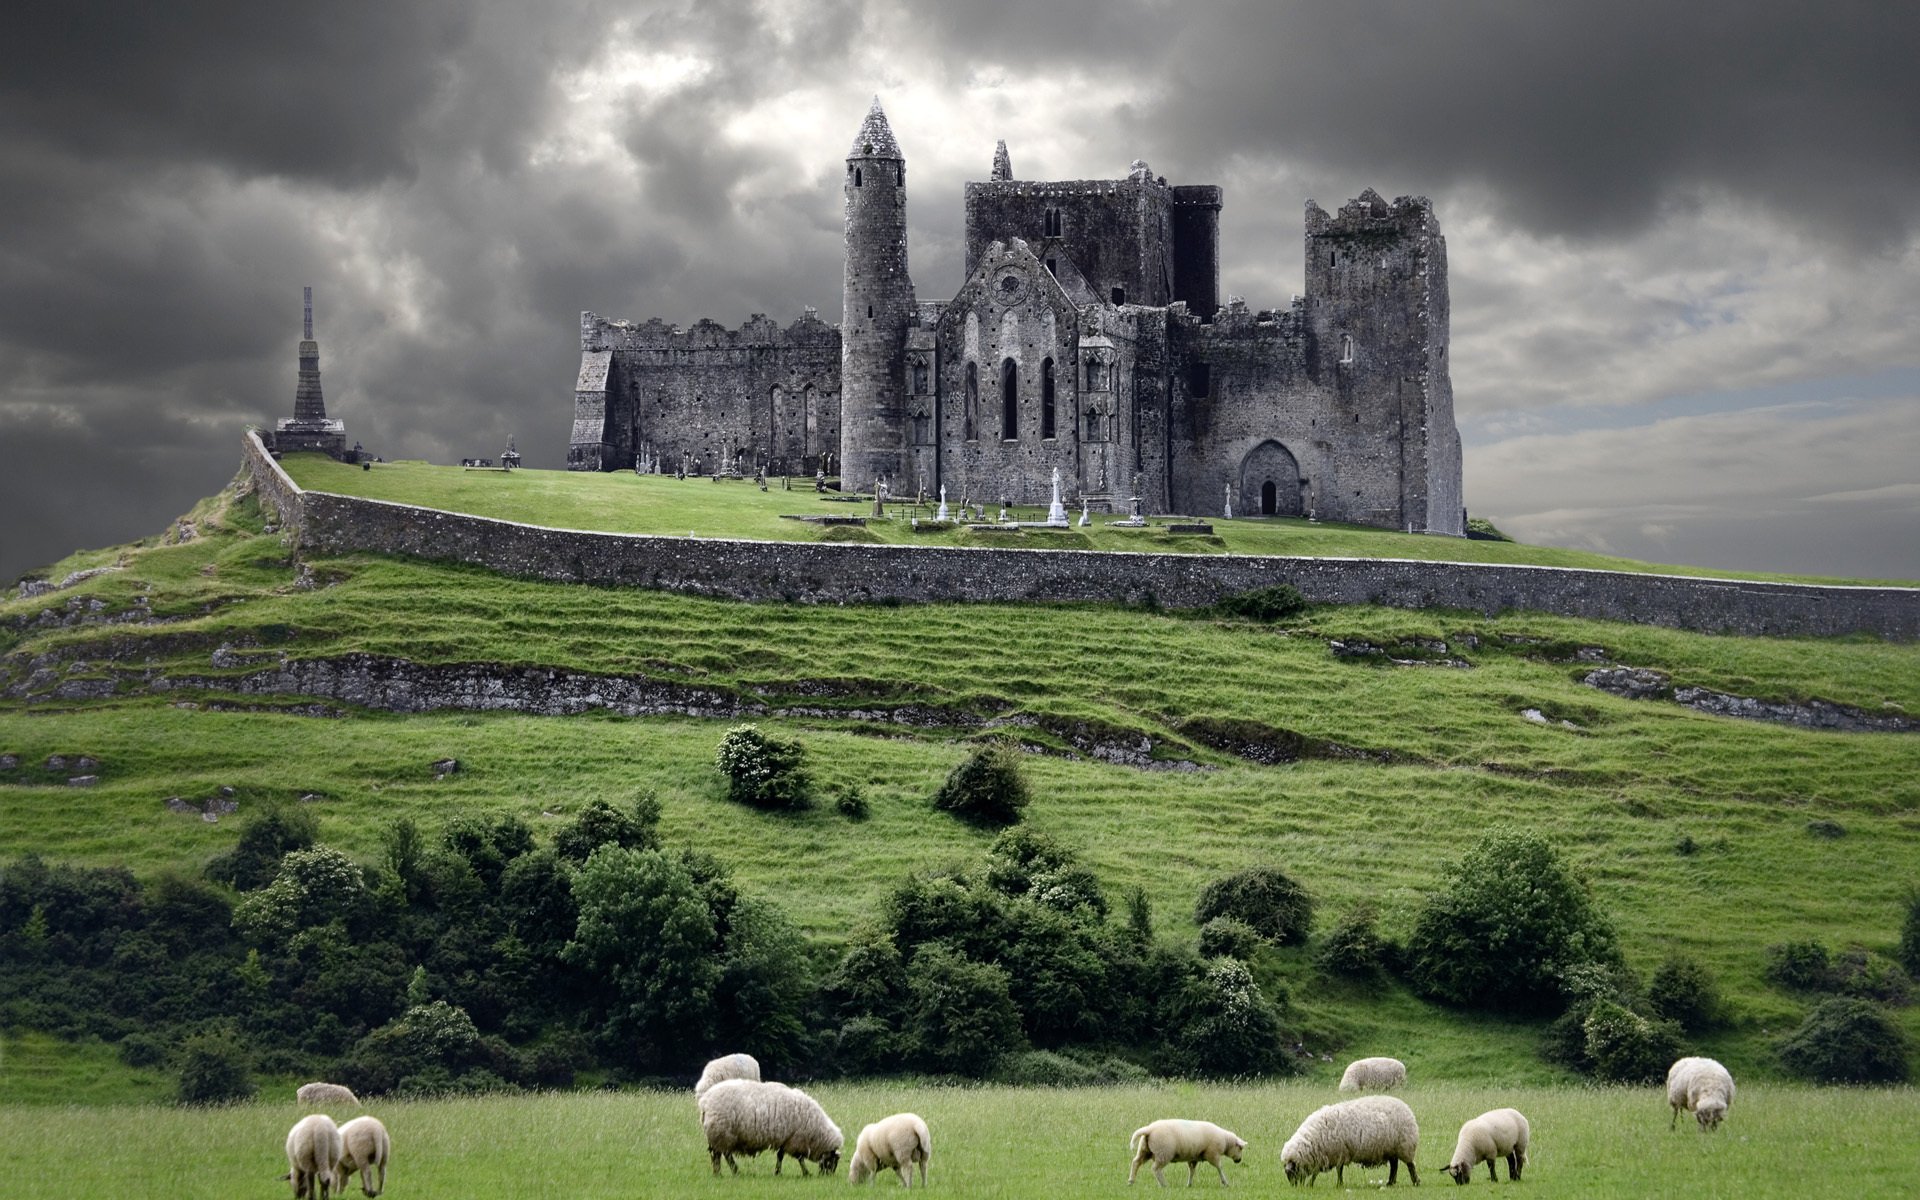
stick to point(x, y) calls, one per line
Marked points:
point(1088, 337)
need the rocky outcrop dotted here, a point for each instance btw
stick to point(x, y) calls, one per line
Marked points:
point(1644, 683)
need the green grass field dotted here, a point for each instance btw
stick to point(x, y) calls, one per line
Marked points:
point(998, 1142)
point(622, 502)
point(1698, 833)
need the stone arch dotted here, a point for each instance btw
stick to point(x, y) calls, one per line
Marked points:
point(1270, 483)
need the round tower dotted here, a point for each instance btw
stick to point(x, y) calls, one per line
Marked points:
point(879, 307)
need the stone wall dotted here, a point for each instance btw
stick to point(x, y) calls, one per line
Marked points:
point(827, 573)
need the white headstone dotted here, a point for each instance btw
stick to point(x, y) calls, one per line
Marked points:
point(1229, 511)
point(1056, 511)
point(942, 514)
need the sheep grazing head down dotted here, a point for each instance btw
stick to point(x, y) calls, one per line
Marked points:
point(1710, 1112)
point(830, 1161)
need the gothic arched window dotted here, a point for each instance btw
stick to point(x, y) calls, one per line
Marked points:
point(1046, 398)
point(1009, 400)
point(973, 398)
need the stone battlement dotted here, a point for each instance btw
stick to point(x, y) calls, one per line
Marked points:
point(597, 333)
point(1370, 214)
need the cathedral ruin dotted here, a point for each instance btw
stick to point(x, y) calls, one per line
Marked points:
point(1088, 337)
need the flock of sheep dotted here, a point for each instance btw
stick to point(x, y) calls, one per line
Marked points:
point(742, 1114)
point(322, 1156)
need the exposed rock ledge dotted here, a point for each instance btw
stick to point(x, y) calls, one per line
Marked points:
point(1644, 683)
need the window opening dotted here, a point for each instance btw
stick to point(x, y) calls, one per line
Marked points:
point(1046, 398)
point(1119, 295)
point(973, 397)
point(1009, 400)
point(1269, 495)
point(1346, 347)
point(1199, 379)
point(856, 177)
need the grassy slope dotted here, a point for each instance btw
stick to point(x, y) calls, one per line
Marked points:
point(1778, 1141)
point(625, 503)
point(1617, 796)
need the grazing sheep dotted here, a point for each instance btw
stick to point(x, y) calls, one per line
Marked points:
point(746, 1116)
point(1373, 1075)
point(1369, 1131)
point(1189, 1142)
point(1701, 1086)
point(313, 1156)
point(733, 1066)
point(1488, 1138)
point(898, 1141)
point(321, 1095)
point(364, 1146)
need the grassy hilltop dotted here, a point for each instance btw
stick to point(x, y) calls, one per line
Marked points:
point(1701, 835)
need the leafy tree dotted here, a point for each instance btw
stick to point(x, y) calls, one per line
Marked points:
point(213, 1069)
point(1230, 938)
point(1277, 908)
point(600, 824)
point(1684, 992)
point(1027, 864)
point(961, 1016)
point(313, 887)
point(269, 836)
point(488, 846)
point(1847, 1040)
point(764, 771)
point(429, 1048)
point(1224, 1025)
point(1509, 926)
point(765, 984)
point(646, 937)
point(986, 788)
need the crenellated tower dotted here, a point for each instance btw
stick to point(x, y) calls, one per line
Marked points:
point(879, 308)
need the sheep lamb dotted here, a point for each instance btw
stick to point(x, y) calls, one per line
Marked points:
point(1368, 1132)
point(364, 1147)
point(1189, 1142)
point(313, 1157)
point(1701, 1086)
point(732, 1066)
point(746, 1116)
point(900, 1141)
point(321, 1095)
point(1488, 1138)
point(1373, 1075)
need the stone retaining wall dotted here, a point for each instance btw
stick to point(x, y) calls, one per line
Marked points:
point(826, 572)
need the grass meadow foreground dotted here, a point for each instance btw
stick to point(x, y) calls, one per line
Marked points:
point(1779, 1140)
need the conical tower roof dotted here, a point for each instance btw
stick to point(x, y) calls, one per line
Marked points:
point(875, 139)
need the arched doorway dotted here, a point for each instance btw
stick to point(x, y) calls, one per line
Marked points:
point(1270, 482)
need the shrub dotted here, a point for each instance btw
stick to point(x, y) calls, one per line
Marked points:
point(1263, 897)
point(1846, 1040)
point(1483, 530)
point(1860, 972)
point(1624, 1047)
point(1027, 864)
point(1803, 966)
point(600, 823)
point(851, 803)
point(986, 788)
point(1225, 1025)
point(264, 841)
point(1353, 947)
point(142, 1050)
point(1684, 992)
point(762, 771)
point(1050, 1068)
point(960, 1013)
point(213, 1069)
point(1510, 925)
point(1274, 603)
point(1229, 937)
point(426, 1049)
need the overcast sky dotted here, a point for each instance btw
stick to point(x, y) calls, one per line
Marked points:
point(1684, 237)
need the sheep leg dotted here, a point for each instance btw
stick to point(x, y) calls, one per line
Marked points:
point(1157, 1164)
point(1191, 1168)
point(1215, 1160)
point(1515, 1162)
point(1674, 1121)
point(1413, 1174)
point(1493, 1173)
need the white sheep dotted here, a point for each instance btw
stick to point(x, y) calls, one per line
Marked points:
point(321, 1095)
point(1373, 1075)
point(1701, 1086)
point(313, 1156)
point(732, 1066)
point(1488, 1138)
point(364, 1147)
point(898, 1141)
point(1189, 1142)
point(746, 1116)
point(1369, 1131)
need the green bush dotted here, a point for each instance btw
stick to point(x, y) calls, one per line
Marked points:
point(762, 771)
point(1224, 1026)
point(1861, 972)
point(1684, 992)
point(600, 824)
point(1624, 1047)
point(986, 788)
point(428, 1049)
point(1263, 897)
point(1229, 937)
point(1274, 603)
point(213, 1069)
point(264, 841)
point(1846, 1040)
point(1050, 1068)
point(142, 1050)
point(1509, 926)
point(1803, 966)
point(851, 803)
point(960, 1014)
point(1353, 947)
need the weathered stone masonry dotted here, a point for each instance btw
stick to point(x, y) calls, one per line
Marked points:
point(827, 573)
